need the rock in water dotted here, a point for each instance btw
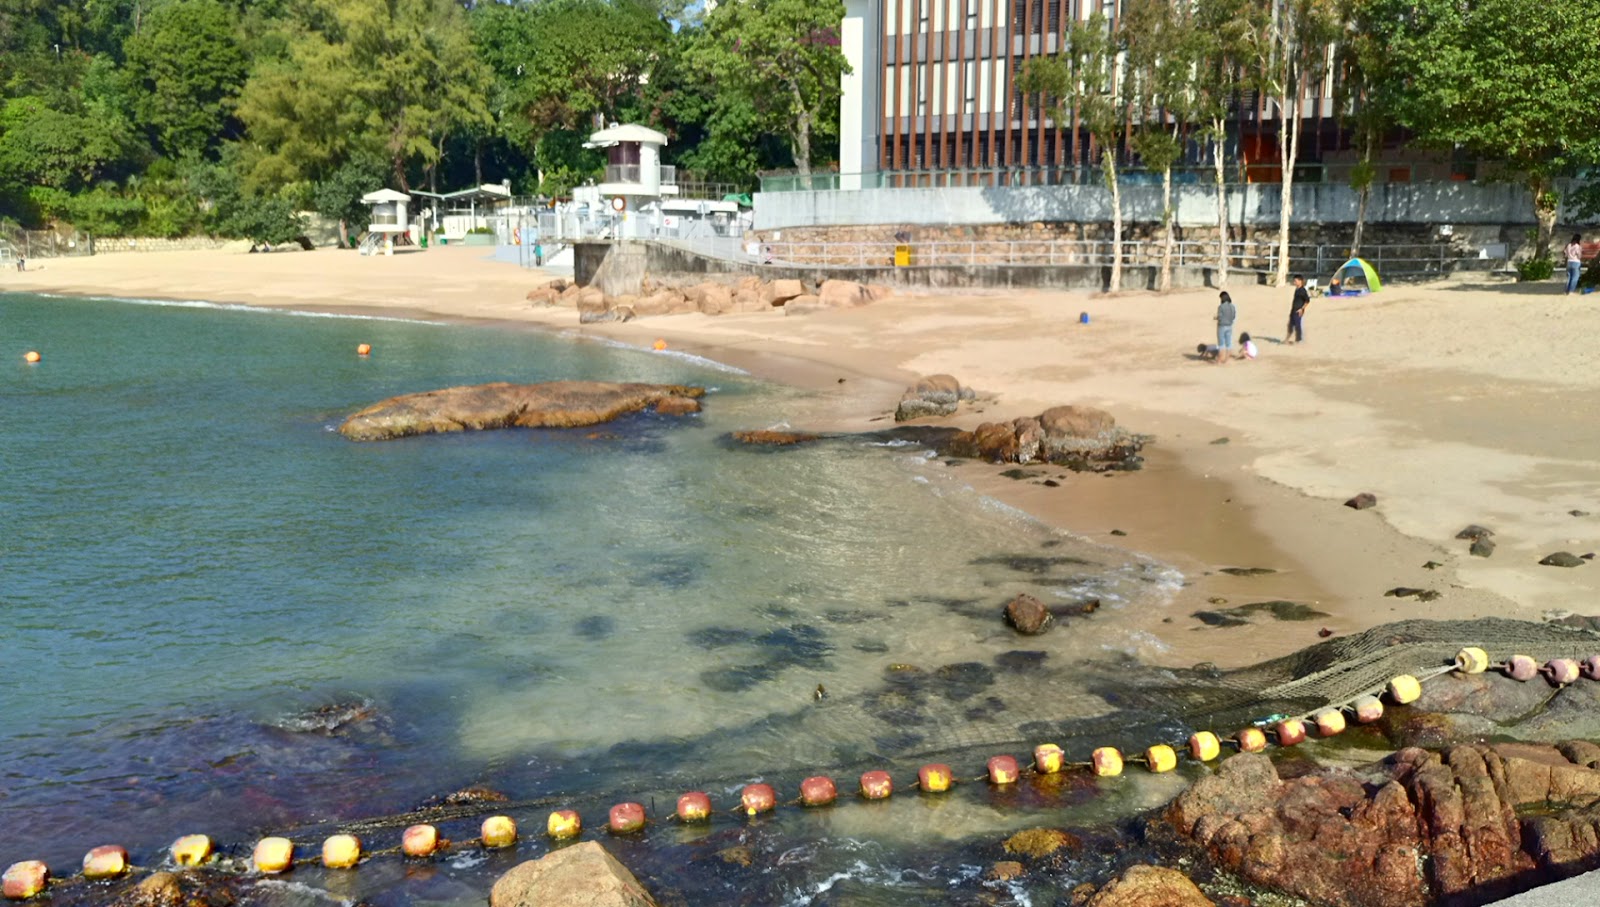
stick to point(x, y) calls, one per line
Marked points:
point(934, 395)
point(1028, 615)
point(1362, 501)
point(1482, 547)
point(1562, 559)
point(553, 404)
point(583, 875)
point(1150, 886)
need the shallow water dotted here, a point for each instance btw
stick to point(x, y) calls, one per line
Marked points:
point(194, 559)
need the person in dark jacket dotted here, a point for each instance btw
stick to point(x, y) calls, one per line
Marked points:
point(1297, 310)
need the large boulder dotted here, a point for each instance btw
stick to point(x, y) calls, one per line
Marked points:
point(933, 395)
point(583, 875)
point(660, 302)
point(553, 404)
point(779, 292)
point(1150, 886)
point(710, 298)
point(1078, 437)
point(594, 308)
point(1469, 825)
point(837, 294)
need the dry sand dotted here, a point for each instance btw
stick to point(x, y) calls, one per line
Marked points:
point(1456, 402)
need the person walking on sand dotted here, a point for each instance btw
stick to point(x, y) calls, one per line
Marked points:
point(1574, 252)
point(1297, 310)
point(1226, 313)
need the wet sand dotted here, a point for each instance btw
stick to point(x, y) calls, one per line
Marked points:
point(1463, 401)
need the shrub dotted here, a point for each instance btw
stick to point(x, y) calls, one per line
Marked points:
point(1536, 268)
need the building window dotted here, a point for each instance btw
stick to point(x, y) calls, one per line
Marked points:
point(972, 14)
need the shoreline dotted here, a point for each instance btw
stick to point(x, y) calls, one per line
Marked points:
point(1263, 499)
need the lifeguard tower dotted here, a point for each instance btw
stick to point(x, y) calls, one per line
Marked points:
point(388, 221)
point(635, 180)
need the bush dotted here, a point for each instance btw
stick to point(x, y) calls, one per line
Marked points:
point(1536, 268)
point(481, 231)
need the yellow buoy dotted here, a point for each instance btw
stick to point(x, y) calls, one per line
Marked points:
point(363, 349)
point(1368, 709)
point(191, 850)
point(1204, 746)
point(419, 841)
point(1329, 722)
point(660, 344)
point(341, 851)
point(1404, 688)
point(935, 777)
point(499, 831)
point(30, 356)
point(1472, 660)
point(1251, 740)
point(1290, 731)
point(1161, 758)
point(1107, 761)
point(563, 824)
point(24, 880)
point(106, 862)
point(1048, 758)
point(273, 855)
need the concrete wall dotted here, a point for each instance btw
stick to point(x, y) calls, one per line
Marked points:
point(1252, 204)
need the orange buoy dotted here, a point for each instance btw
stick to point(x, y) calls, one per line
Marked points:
point(1521, 667)
point(1161, 758)
point(563, 824)
point(106, 862)
point(1204, 745)
point(659, 344)
point(626, 818)
point(935, 777)
point(1329, 722)
point(341, 851)
point(363, 349)
point(1003, 770)
point(419, 841)
point(1404, 688)
point(1048, 758)
point(1368, 709)
point(818, 790)
point(694, 806)
point(758, 798)
point(1107, 761)
point(1472, 660)
point(191, 850)
point(1561, 671)
point(1591, 667)
point(24, 880)
point(273, 855)
point(1251, 740)
point(1290, 731)
point(876, 785)
point(498, 831)
point(30, 356)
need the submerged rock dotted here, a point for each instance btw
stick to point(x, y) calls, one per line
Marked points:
point(1474, 532)
point(1562, 559)
point(1027, 615)
point(768, 437)
point(1481, 547)
point(583, 875)
point(553, 404)
point(1150, 886)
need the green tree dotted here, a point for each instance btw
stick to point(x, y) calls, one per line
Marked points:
point(1502, 83)
point(1222, 32)
point(784, 57)
point(1082, 78)
point(188, 68)
point(1161, 60)
point(1366, 95)
point(338, 197)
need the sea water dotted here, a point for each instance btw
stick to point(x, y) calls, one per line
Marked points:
point(218, 615)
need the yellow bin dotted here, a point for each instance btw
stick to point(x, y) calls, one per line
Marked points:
point(902, 256)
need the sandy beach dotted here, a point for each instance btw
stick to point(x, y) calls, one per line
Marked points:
point(1464, 401)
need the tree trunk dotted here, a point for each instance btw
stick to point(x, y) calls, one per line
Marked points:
point(344, 234)
point(1166, 221)
point(1218, 140)
point(1545, 208)
point(1109, 160)
point(1288, 151)
point(477, 161)
point(398, 165)
point(1361, 219)
point(801, 133)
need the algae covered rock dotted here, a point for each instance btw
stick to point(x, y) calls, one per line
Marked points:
point(479, 407)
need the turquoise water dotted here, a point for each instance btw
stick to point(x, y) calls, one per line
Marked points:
point(193, 561)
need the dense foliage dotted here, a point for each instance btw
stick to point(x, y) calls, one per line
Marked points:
point(173, 117)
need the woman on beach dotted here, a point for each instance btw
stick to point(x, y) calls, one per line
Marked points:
point(1574, 252)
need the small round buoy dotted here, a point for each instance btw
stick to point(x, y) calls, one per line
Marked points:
point(363, 349)
point(1290, 731)
point(757, 799)
point(876, 785)
point(694, 806)
point(30, 356)
point(818, 790)
point(935, 777)
point(106, 862)
point(563, 824)
point(626, 818)
point(1404, 688)
point(341, 851)
point(273, 855)
point(1251, 740)
point(1368, 709)
point(1107, 762)
point(498, 831)
point(24, 880)
point(1521, 667)
point(191, 850)
point(659, 344)
point(1083, 317)
point(1591, 667)
point(1205, 746)
point(1048, 758)
point(1472, 660)
point(1003, 770)
point(1161, 758)
point(1561, 671)
point(1329, 722)
point(419, 841)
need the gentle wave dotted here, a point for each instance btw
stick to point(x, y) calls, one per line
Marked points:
point(239, 307)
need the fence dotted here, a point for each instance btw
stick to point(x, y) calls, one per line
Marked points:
point(47, 244)
point(1086, 175)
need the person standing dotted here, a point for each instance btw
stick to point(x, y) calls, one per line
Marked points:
point(1226, 313)
point(1574, 252)
point(1297, 310)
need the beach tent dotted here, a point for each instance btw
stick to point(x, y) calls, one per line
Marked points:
point(1356, 276)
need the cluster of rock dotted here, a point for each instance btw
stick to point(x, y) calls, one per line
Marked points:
point(934, 395)
point(1466, 825)
point(711, 297)
point(552, 404)
point(1078, 437)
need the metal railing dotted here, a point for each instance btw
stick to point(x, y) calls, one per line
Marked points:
point(1233, 173)
point(633, 173)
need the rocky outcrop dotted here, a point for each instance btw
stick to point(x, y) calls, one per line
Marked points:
point(769, 437)
point(1468, 825)
point(933, 395)
point(709, 297)
point(1150, 886)
point(1078, 437)
point(583, 875)
point(553, 404)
